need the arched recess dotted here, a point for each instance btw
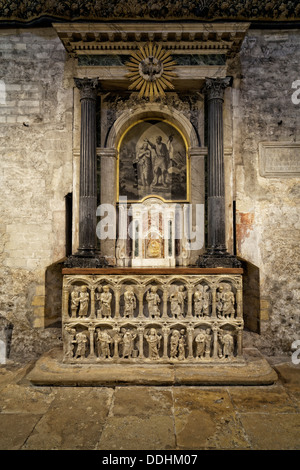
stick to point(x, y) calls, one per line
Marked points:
point(109, 161)
point(153, 110)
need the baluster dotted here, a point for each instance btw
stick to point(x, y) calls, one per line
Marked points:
point(165, 331)
point(65, 303)
point(214, 302)
point(92, 315)
point(190, 332)
point(141, 303)
point(215, 330)
point(117, 293)
point(240, 340)
point(239, 304)
point(165, 302)
point(92, 333)
point(190, 303)
point(140, 331)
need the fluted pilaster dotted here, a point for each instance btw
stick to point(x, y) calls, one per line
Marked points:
point(216, 254)
point(88, 166)
point(87, 252)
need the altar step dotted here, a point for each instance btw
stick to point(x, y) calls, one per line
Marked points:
point(50, 370)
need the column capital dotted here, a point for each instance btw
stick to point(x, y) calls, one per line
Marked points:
point(214, 87)
point(88, 87)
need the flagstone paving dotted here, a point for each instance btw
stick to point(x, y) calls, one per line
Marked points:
point(150, 417)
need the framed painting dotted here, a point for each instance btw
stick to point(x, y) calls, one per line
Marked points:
point(152, 162)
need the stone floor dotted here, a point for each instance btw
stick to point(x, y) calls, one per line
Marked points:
point(149, 418)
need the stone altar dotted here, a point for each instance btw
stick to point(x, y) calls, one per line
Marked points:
point(132, 327)
point(149, 317)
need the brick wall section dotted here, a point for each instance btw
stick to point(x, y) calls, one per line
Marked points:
point(268, 208)
point(36, 116)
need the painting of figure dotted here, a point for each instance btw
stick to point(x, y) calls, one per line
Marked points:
point(153, 161)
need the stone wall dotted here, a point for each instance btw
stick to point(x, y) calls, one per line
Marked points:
point(36, 115)
point(267, 218)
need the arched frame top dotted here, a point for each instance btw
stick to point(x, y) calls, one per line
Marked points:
point(153, 111)
point(173, 118)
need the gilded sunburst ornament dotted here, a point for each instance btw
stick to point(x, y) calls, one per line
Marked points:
point(151, 71)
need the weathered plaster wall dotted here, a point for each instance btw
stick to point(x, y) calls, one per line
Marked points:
point(36, 115)
point(268, 219)
point(36, 124)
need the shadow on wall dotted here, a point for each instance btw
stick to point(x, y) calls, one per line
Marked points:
point(6, 329)
point(251, 296)
point(54, 277)
point(53, 294)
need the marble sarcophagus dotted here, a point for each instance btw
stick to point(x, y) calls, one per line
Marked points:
point(152, 316)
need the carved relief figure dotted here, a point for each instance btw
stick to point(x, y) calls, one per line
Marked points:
point(225, 301)
point(174, 342)
point(128, 342)
point(165, 329)
point(228, 345)
point(208, 340)
point(70, 334)
point(181, 299)
point(181, 346)
point(105, 299)
point(198, 302)
point(200, 342)
point(153, 339)
point(83, 302)
point(220, 302)
point(154, 247)
point(175, 304)
point(206, 301)
point(103, 342)
point(220, 344)
point(81, 341)
point(202, 302)
point(74, 301)
point(228, 302)
point(153, 300)
point(177, 298)
point(130, 302)
point(203, 341)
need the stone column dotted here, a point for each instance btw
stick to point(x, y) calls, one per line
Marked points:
point(216, 254)
point(92, 345)
point(87, 252)
point(93, 315)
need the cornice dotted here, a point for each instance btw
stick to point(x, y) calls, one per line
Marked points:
point(123, 38)
point(30, 11)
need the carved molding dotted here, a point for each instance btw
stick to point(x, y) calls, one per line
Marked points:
point(215, 87)
point(88, 88)
point(146, 318)
point(205, 10)
point(126, 38)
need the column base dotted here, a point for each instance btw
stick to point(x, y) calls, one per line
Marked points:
point(86, 259)
point(218, 259)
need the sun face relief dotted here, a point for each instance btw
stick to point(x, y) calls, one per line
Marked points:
point(151, 71)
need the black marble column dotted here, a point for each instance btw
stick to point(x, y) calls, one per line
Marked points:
point(87, 254)
point(216, 254)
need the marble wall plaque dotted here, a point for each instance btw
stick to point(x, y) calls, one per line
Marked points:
point(279, 159)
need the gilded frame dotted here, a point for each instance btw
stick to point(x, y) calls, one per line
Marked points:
point(150, 193)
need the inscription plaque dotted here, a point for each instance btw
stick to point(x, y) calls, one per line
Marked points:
point(279, 159)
